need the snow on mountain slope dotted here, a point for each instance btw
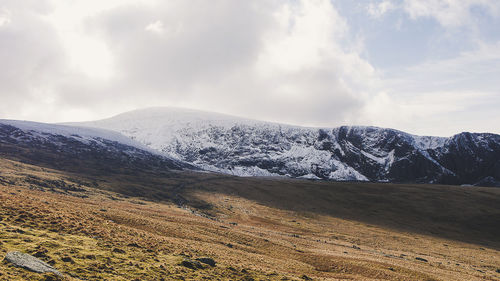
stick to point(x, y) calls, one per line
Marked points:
point(83, 134)
point(74, 141)
point(227, 144)
point(246, 147)
point(157, 126)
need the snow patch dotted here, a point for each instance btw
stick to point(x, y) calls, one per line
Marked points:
point(82, 134)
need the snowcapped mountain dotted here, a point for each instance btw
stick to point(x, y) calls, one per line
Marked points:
point(60, 145)
point(246, 147)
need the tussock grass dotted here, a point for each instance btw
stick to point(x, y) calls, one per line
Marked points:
point(88, 229)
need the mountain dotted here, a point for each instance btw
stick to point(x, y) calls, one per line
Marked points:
point(97, 150)
point(244, 147)
point(97, 205)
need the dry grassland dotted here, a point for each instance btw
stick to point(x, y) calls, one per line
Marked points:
point(96, 228)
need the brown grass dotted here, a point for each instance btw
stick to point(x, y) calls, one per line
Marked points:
point(256, 229)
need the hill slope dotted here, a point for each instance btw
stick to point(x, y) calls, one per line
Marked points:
point(100, 210)
point(74, 148)
point(245, 147)
point(125, 226)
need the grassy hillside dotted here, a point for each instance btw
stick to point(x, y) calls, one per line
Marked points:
point(144, 225)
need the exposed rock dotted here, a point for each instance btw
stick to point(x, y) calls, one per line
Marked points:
point(253, 148)
point(67, 259)
point(30, 263)
point(90, 257)
point(208, 261)
point(119, 251)
point(488, 181)
point(193, 264)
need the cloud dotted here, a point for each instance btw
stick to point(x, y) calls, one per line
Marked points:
point(287, 61)
point(477, 69)
point(309, 68)
point(450, 13)
point(453, 87)
point(439, 113)
point(446, 96)
point(377, 10)
point(273, 59)
point(31, 57)
point(155, 27)
point(4, 17)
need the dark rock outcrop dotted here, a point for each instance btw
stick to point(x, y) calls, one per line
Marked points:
point(208, 261)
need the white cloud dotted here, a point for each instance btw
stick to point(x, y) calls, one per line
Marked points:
point(450, 13)
point(32, 60)
point(309, 67)
point(442, 97)
point(155, 27)
point(290, 61)
point(5, 15)
point(439, 113)
point(472, 70)
point(305, 33)
point(86, 54)
point(378, 9)
point(261, 59)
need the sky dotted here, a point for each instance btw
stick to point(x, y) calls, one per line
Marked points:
point(428, 67)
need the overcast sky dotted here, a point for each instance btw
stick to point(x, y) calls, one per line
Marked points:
point(428, 67)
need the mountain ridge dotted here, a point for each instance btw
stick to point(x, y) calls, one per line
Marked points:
point(160, 110)
point(245, 147)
